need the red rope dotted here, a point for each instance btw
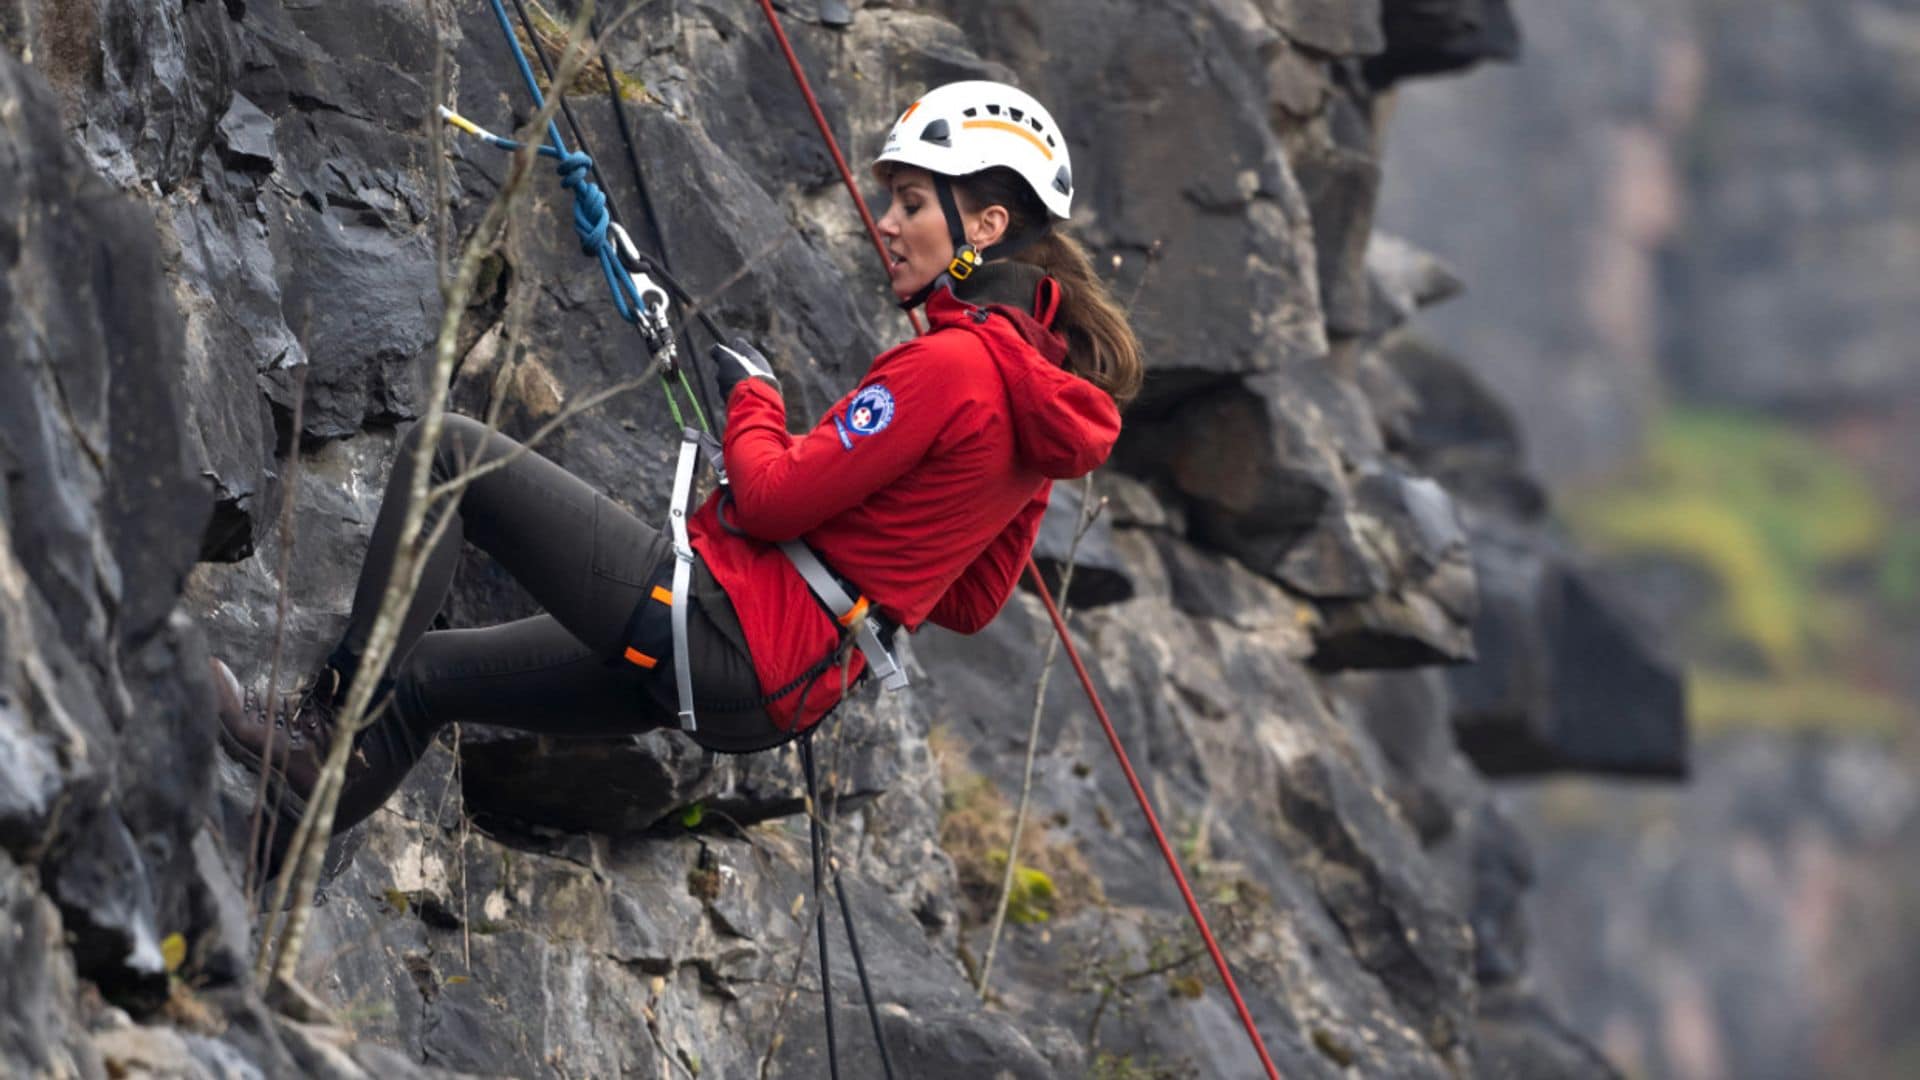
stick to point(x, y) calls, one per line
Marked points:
point(833, 145)
point(1040, 586)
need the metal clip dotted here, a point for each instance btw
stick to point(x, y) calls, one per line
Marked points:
point(653, 299)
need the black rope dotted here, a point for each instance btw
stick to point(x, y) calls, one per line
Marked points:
point(656, 266)
point(860, 966)
point(819, 907)
point(817, 831)
point(619, 106)
point(655, 232)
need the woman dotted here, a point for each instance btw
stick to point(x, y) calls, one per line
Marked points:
point(922, 489)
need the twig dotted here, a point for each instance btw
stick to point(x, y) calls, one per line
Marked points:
point(786, 1000)
point(1153, 260)
point(437, 145)
point(748, 266)
point(290, 482)
point(309, 842)
point(469, 475)
point(1089, 512)
point(1115, 985)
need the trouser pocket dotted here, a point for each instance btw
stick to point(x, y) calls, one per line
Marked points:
point(625, 548)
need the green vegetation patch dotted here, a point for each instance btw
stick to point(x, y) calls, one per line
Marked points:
point(1806, 560)
point(1720, 703)
point(1051, 877)
point(1770, 513)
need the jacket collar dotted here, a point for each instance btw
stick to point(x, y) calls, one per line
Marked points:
point(1004, 287)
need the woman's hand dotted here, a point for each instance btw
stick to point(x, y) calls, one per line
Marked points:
point(736, 363)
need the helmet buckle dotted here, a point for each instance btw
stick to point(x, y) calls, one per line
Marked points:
point(964, 263)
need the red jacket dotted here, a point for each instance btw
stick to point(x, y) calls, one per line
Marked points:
point(924, 486)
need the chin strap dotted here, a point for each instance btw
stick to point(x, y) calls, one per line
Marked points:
point(966, 257)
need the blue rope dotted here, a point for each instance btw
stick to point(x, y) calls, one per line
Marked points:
point(590, 217)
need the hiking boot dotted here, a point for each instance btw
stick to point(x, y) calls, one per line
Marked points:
point(297, 732)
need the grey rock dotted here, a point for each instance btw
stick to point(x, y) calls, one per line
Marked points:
point(1340, 181)
point(1564, 681)
point(1565, 290)
point(30, 779)
point(1427, 37)
point(1133, 504)
point(1257, 478)
point(220, 1060)
point(225, 949)
point(246, 136)
point(42, 1030)
point(1413, 945)
point(1098, 576)
point(1411, 536)
point(1756, 288)
point(1503, 872)
point(1405, 279)
point(1430, 783)
point(1455, 428)
point(1784, 810)
point(1517, 1036)
point(1332, 27)
point(1218, 251)
point(1206, 584)
point(95, 570)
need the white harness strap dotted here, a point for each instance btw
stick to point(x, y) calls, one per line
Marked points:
point(691, 441)
point(850, 613)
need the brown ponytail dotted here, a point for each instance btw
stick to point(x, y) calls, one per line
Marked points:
point(1100, 344)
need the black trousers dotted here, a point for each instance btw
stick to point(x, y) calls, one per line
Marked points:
point(591, 566)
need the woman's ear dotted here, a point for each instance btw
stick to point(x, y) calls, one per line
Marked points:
point(988, 227)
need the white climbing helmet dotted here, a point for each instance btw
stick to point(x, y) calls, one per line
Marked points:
point(964, 127)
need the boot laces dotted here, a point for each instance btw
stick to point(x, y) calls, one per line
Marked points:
point(306, 714)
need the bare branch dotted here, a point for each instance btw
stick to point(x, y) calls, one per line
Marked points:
point(291, 483)
point(476, 471)
point(1089, 511)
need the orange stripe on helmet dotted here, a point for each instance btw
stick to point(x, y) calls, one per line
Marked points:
point(1003, 125)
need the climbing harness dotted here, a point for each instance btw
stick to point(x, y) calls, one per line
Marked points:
point(1053, 612)
point(643, 302)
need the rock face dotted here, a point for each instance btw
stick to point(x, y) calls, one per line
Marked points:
point(1280, 562)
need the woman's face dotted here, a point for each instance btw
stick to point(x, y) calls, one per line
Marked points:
point(915, 231)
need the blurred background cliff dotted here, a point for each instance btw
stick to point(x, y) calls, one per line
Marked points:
point(1690, 234)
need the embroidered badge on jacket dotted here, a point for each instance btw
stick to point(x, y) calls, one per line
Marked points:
point(870, 410)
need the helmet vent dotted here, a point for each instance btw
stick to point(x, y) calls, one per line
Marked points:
point(1063, 180)
point(937, 133)
point(973, 112)
point(993, 110)
point(1015, 113)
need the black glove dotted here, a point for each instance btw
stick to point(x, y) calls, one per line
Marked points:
point(736, 363)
